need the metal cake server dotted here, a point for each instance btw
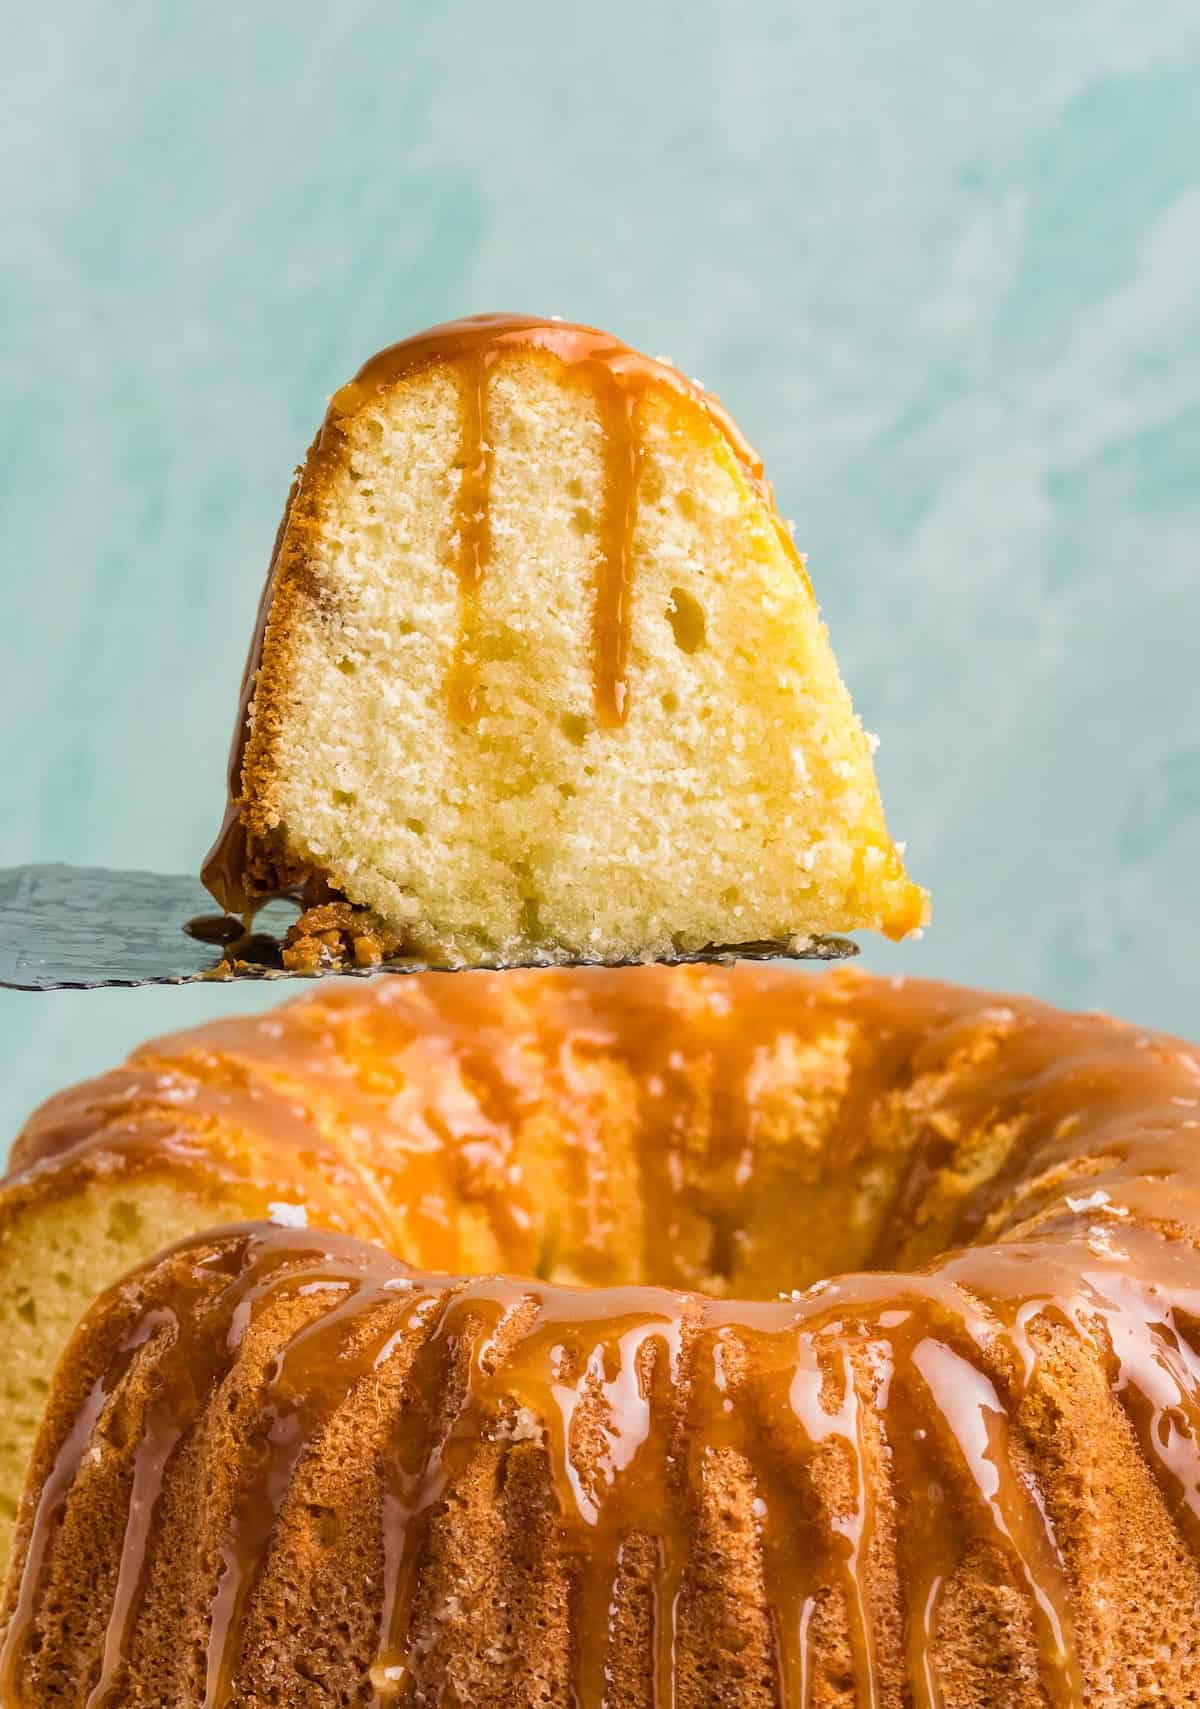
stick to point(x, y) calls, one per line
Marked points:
point(78, 928)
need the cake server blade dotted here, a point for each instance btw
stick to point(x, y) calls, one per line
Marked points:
point(79, 928)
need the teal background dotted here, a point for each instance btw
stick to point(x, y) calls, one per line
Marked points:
point(941, 261)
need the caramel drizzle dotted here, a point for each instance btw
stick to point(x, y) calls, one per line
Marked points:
point(617, 389)
point(295, 1405)
point(161, 1438)
point(52, 1500)
point(939, 1361)
point(851, 1529)
point(473, 527)
point(613, 620)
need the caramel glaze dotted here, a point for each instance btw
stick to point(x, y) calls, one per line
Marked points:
point(617, 377)
point(383, 1109)
point(631, 1398)
point(634, 1395)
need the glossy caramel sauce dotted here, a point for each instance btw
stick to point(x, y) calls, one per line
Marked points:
point(473, 529)
point(911, 1380)
point(617, 377)
point(222, 929)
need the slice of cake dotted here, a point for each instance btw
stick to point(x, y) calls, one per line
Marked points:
point(539, 674)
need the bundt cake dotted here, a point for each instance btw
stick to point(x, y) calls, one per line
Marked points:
point(600, 1433)
point(539, 675)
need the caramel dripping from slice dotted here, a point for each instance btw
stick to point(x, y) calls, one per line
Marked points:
point(613, 615)
point(617, 395)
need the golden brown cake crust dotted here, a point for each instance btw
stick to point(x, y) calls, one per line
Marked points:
point(302, 1472)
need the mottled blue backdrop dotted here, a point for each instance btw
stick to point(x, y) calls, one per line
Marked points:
point(941, 261)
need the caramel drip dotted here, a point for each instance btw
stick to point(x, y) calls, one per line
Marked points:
point(52, 1500)
point(474, 533)
point(613, 613)
point(294, 1405)
point(964, 1403)
point(161, 1437)
point(853, 1528)
point(426, 1450)
point(617, 389)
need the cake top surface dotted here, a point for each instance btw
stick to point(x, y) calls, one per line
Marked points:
point(709, 1095)
point(486, 337)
